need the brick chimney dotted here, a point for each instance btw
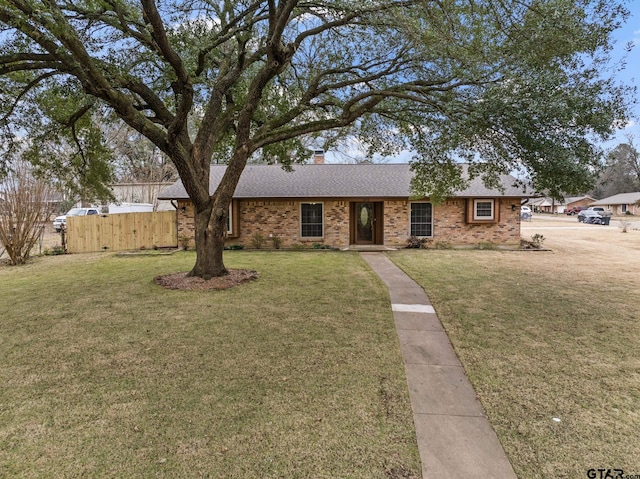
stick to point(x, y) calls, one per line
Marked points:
point(318, 157)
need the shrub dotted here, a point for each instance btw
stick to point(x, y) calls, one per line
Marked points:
point(257, 240)
point(624, 225)
point(184, 242)
point(23, 212)
point(54, 251)
point(537, 240)
point(417, 242)
point(276, 241)
point(534, 243)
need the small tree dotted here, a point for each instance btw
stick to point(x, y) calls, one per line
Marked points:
point(24, 210)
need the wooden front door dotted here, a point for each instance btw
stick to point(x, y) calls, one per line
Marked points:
point(366, 225)
point(364, 218)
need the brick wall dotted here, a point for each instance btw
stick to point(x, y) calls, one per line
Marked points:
point(449, 224)
point(282, 218)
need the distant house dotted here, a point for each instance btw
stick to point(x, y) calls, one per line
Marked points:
point(573, 201)
point(621, 204)
point(364, 204)
point(549, 205)
point(540, 205)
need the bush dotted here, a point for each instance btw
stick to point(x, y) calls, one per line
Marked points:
point(276, 241)
point(257, 240)
point(56, 250)
point(23, 212)
point(537, 240)
point(184, 242)
point(417, 242)
point(624, 225)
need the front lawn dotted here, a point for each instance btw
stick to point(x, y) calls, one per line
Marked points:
point(551, 343)
point(297, 374)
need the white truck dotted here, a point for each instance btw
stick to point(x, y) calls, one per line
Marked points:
point(61, 221)
point(113, 209)
point(130, 208)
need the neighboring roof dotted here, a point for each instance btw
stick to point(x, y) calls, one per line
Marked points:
point(332, 181)
point(544, 202)
point(620, 199)
point(572, 199)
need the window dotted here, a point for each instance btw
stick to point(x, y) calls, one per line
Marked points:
point(624, 208)
point(483, 210)
point(421, 219)
point(311, 220)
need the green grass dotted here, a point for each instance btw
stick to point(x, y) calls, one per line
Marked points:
point(543, 336)
point(297, 374)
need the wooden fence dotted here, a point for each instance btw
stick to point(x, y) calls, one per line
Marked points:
point(121, 232)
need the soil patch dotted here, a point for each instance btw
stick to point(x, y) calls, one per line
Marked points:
point(182, 281)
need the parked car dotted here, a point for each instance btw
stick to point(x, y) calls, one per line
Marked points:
point(525, 213)
point(584, 215)
point(62, 220)
point(591, 212)
point(574, 210)
point(601, 211)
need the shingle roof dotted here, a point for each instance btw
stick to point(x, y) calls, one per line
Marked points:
point(332, 181)
point(619, 199)
point(573, 199)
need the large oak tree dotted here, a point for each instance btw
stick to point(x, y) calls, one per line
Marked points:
point(504, 84)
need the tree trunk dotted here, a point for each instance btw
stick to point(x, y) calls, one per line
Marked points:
point(211, 214)
point(210, 231)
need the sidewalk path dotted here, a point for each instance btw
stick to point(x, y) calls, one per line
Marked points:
point(455, 438)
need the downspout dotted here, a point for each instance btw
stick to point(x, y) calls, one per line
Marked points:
point(177, 223)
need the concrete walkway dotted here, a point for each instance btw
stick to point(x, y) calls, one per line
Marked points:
point(455, 438)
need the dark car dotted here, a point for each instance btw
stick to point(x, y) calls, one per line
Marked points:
point(589, 216)
point(595, 215)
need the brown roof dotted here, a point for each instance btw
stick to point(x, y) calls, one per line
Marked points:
point(333, 181)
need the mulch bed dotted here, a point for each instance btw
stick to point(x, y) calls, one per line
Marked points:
point(184, 282)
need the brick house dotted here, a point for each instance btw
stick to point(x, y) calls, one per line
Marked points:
point(343, 205)
point(621, 204)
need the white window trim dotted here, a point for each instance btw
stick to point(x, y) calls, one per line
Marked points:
point(300, 210)
point(230, 228)
point(429, 203)
point(475, 209)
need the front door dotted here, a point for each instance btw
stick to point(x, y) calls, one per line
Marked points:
point(365, 223)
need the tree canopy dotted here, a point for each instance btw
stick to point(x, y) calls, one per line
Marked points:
point(510, 85)
point(621, 173)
